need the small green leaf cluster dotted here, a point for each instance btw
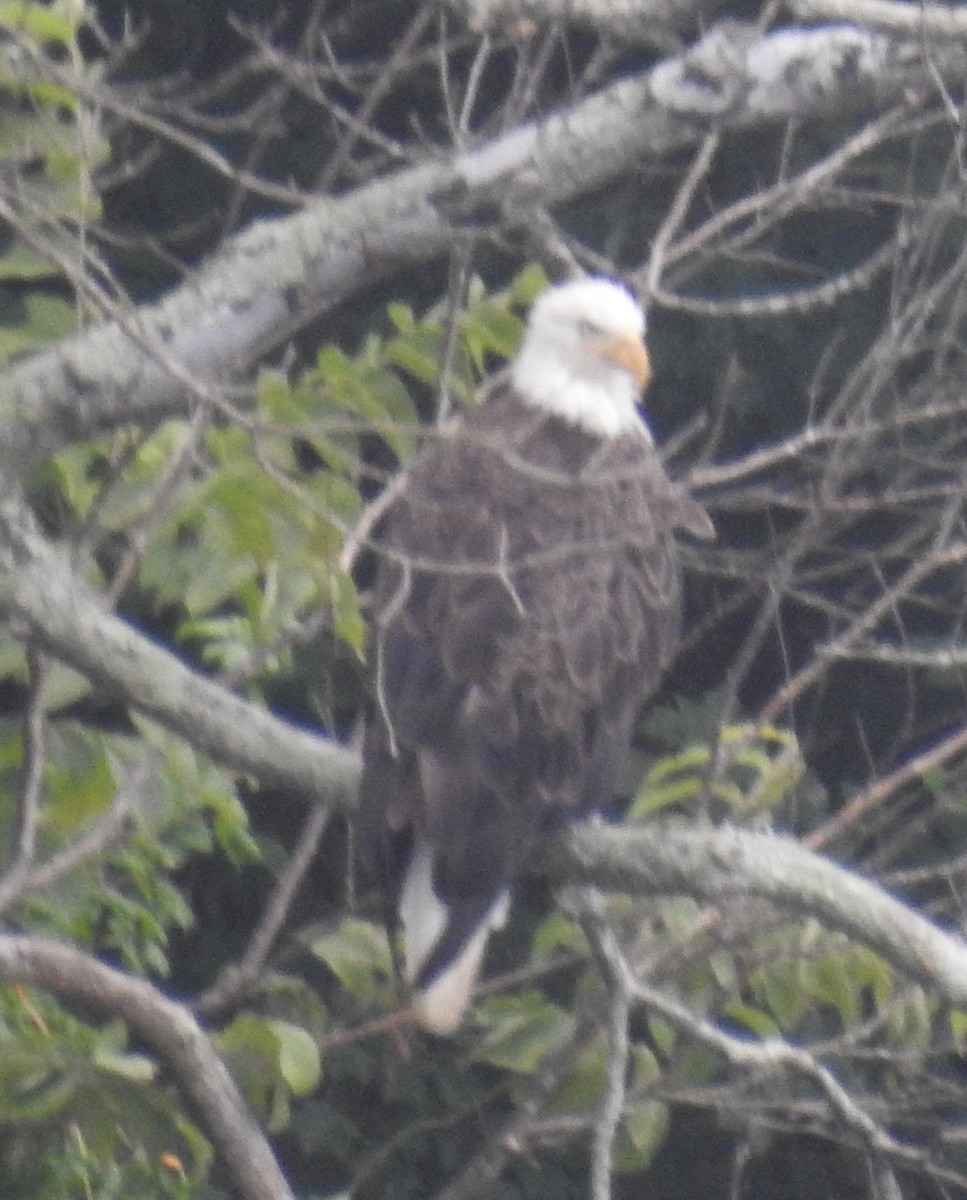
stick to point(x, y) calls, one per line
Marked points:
point(751, 770)
point(79, 1113)
point(123, 900)
point(357, 953)
point(774, 979)
point(82, 1115)
point(273, 1061)
point(50, 151)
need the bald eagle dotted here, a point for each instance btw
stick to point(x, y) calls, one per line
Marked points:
point(527, 600)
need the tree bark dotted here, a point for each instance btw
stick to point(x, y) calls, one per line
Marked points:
point(145, 366)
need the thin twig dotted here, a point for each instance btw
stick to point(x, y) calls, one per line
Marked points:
point(698, 170)
point(381, 85)
point(770, 1057)
point(460, 259)
point(238, 978)
point(34, 738)
point(105, 831)
point(619, 983)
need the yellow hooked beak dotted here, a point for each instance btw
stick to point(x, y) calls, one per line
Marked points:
point(626, 350)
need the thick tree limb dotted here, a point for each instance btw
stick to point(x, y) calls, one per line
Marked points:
point(140, 367)
point(897, 16)
point(628, 20)
point(173, 1033)
point(38, 587)
point(717, 865)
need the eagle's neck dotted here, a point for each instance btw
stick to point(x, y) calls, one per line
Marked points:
point(603, 403)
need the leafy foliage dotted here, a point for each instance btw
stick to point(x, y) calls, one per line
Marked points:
point(755, 768)
point(82, 1114)
point(51, 146)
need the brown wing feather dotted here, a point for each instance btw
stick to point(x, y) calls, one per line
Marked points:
point(527, 602)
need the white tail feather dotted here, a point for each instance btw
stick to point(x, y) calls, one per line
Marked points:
point(440, 1006)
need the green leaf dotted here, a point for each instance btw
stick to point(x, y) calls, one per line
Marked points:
point(357, 953)
point(271, 1060)
point(402, 317)
point(759, 766)
point(836, 986)
point(582, 1086)
point(21, 262)
point(958, 1025)
point(520, 1030)
point(490, 329)
point(724, 970)
point(644, 1126)
point(50, 319)
point(298, 1056)
point(528, 285)
point(78, 777)
point(417, 352)
point(42, 21)
point(754, 1019)
point(348, 622)
point(73, 470)
point(874, 974)
point(647, 1069)
point(277, 398)
point(555, 933)
point(784, 990)
point(663, 1035)
point(135, 1067)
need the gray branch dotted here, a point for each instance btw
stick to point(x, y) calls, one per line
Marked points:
point(157, 361)
point(720, 865)
point(173, 1033)
point(628, 20)
point(39, 589)
point(897, 16)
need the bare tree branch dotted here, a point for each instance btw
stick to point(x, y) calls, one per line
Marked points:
point(619, 981)
point(235, 979)
point(773, 1056)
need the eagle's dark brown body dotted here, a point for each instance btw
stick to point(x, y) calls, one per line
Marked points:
point(527, 601)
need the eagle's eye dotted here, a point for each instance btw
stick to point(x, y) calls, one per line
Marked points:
point(587, 328)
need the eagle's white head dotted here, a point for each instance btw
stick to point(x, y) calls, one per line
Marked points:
point(583, 357)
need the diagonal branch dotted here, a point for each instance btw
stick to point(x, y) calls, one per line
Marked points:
point(38, 589)
point(173, 1033)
